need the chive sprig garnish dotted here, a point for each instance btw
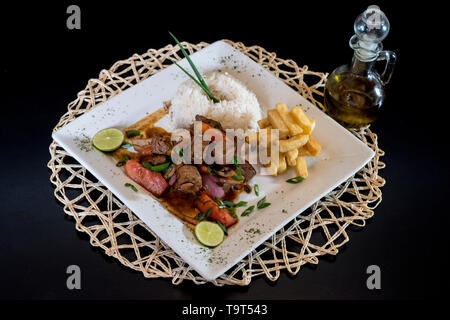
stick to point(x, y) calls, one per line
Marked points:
point(199, 81)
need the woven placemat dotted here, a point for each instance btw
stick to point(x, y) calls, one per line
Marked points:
point(119, 233)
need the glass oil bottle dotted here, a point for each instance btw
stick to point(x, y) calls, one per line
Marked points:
point(355, 93)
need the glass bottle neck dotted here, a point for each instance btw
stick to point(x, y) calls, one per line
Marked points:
point(362, 68)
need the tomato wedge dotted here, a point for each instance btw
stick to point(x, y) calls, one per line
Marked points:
point(205, 202)
point(152, 181)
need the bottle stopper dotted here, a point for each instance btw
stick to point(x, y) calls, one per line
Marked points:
point(371, 27)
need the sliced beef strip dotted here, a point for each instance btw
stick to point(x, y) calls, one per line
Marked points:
point(160, 144)
point(247, 171)
point(154, 159)
point(188, 180)
point(140, 142)
point(157, 144)
point(211, 122)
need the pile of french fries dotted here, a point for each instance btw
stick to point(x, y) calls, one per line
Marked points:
point(295, 139)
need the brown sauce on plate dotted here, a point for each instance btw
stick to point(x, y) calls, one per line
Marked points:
point(182, 205)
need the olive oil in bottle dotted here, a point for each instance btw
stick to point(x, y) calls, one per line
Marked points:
point(355, 93)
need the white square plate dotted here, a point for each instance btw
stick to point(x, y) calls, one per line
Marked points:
point(342, 155)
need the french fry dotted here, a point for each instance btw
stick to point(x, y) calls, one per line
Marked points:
point(283, 111)
point(263, 123)
point(272, 167)
point(281, 108)
point(313, 125)
point(277, 123)
point(312, 146)
point(303, 152)
point(294, 142)
point(300, 167)
point(291, 157)
point(256, 136)
point(302, 120)
point(267, 142)
point(282, 167)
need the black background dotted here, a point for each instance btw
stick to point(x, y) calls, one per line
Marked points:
point(44, 65)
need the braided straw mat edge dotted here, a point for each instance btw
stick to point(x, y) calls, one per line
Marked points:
point(116, 230)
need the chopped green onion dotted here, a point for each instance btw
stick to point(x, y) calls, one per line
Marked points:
point(212, 172)
point(262, 203)
point(200, 216)
point(237, 178)
point(233, 212)
point(199, 200)
point(256, 188)
point(225, 204)
point(121, 163)
point(158, 168)
point(247, 211)
point(208, 212)
point(220, 203)
point(295, 180)
point(228, 203)
point(131, 186)
point(204, 215)
point(235, 162)
point(241, 204)
point(132, 133)
point(224, 229)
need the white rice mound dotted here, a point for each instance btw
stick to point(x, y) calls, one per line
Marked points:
point(238, 106)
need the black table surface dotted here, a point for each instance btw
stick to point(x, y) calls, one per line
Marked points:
point(44, 65)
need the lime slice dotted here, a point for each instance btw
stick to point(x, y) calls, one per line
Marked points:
point(108, 139)
point(209, 233)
